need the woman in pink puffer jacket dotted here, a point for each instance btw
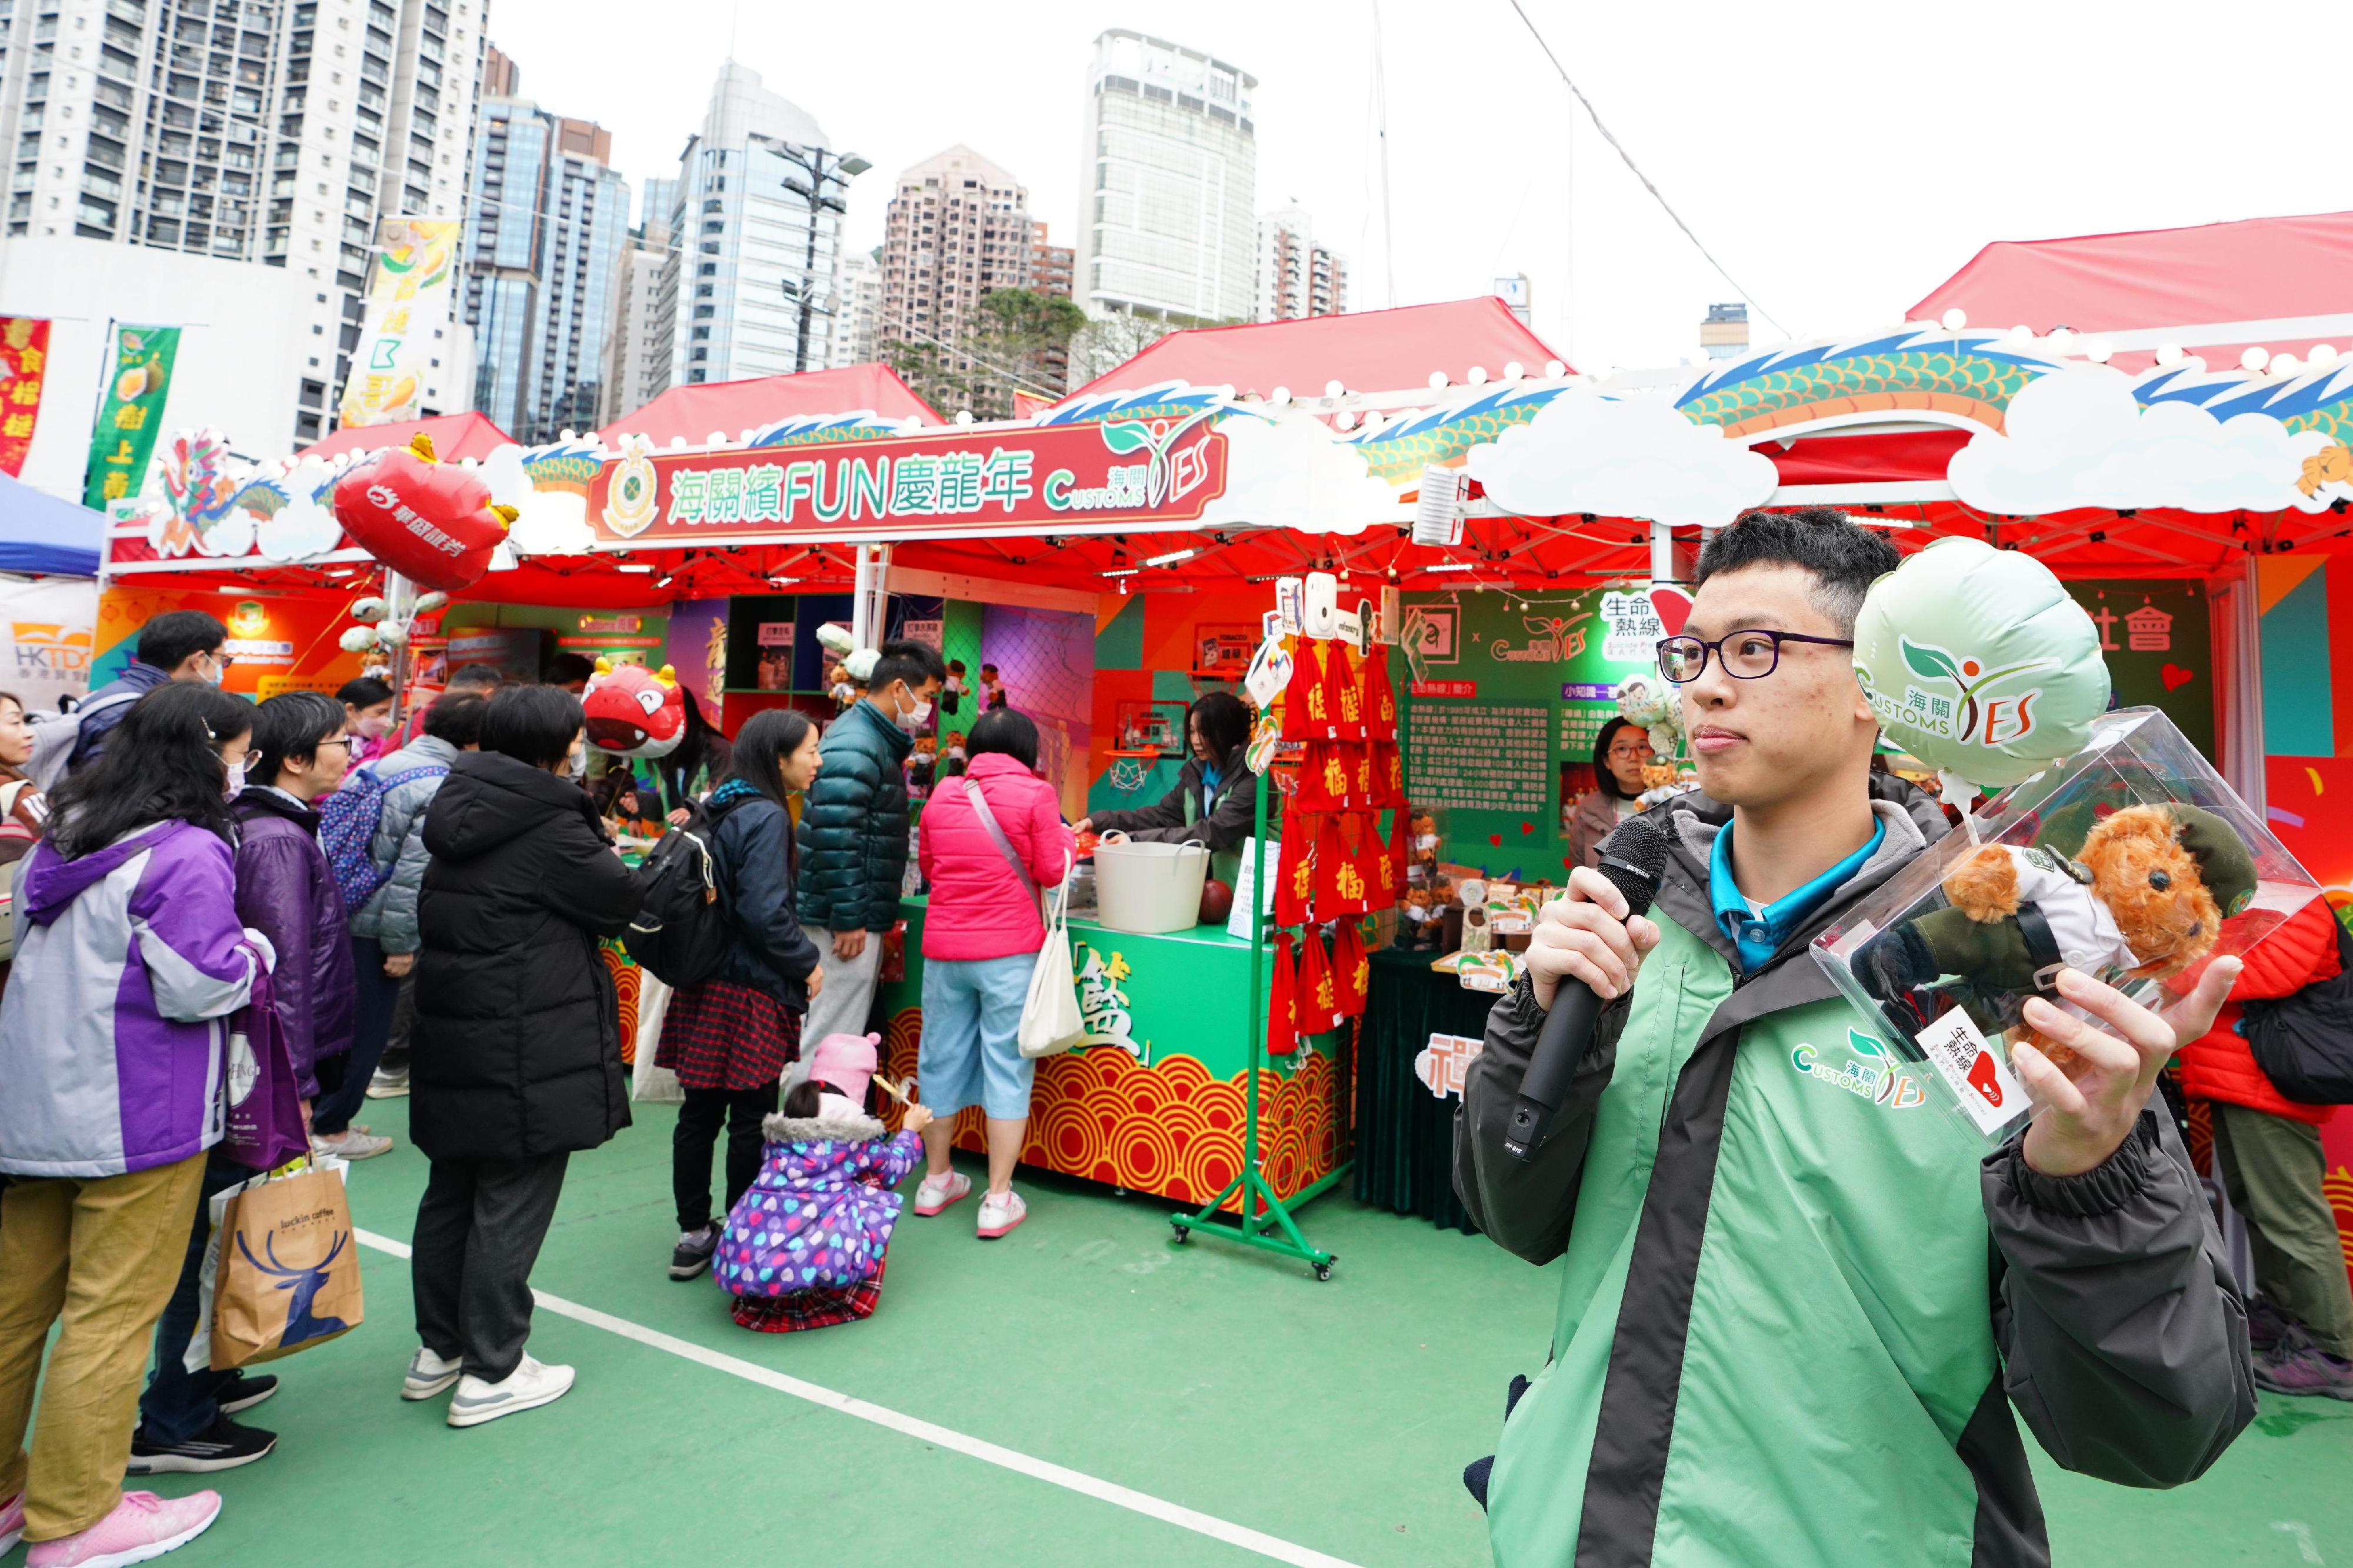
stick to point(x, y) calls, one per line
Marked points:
point(981, 936)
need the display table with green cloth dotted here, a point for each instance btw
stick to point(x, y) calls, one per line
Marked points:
point(1405, 1134)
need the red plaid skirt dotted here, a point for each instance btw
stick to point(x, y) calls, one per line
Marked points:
point(810, 1308)
point(718, 1035)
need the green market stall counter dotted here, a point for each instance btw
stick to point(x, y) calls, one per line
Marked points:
point(1160, 1107)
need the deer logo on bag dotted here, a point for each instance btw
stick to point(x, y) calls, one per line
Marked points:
point(306, 1283)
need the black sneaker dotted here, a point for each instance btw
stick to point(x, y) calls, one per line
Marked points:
point(243, 1392)
point(224, 1448)
point(692, 1257)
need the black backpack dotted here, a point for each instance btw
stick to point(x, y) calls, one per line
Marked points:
point(2304, 1042)
point(680, 934)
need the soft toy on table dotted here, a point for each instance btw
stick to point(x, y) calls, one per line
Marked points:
point(2147, 893)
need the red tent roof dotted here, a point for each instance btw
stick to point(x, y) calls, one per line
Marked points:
point(731, 407)
point(2283, 282)
point(455, 435)
point(1369, 351)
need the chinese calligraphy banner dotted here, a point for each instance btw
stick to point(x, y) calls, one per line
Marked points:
point(24, 366)
point(408, 299)
point(130, 413)
point(1053, 477)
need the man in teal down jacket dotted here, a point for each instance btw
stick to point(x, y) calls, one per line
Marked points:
point(1797, 1300)
point(853, 835)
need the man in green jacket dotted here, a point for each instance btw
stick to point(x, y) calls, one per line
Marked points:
point(1797, 1300)
point(853, 835)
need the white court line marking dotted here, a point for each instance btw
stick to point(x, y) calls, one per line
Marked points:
point(980, 1448)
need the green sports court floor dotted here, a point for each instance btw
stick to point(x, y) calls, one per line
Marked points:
point(1082, 1392)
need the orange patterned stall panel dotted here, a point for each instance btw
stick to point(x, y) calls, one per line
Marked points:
point(1169, 1129)
point(625, 988)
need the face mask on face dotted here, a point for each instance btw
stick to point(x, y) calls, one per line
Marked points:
point(576, 765)
point(374, 725)
point(215, 673)
point(235, 784)
point(915, 716)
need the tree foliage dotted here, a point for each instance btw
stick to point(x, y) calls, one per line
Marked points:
point(1017, 340)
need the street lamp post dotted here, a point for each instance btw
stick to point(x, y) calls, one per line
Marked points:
point(821, 169)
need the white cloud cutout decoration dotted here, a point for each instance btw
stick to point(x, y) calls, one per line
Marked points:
point(547, 522)
point(2078, 437)
point(1287, 469)
point(305, 526)
point(1630, 456)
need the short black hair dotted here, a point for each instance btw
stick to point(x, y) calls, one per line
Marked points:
point(1845, 559)
point(1225, 721)
point(477, 677)
point(363, 691)
point(1005, 731)
point(169, 639)
point(955, 666)
point(986, 669)
point(905, 659)
point(288, 727)
point(532, 724)
point(457, 718)
point(567, 667)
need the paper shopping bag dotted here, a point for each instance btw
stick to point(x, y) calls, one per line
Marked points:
point(288, 1272)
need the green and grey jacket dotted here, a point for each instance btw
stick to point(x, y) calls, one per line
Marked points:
point(1796, 1305)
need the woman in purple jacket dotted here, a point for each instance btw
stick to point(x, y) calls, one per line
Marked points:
point(286, 892)
point(130, 959)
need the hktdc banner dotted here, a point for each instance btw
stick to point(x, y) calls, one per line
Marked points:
point(24, 365)
point(408, 297)
point(130, 414)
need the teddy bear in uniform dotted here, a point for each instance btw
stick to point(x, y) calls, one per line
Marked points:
point(2147, 893)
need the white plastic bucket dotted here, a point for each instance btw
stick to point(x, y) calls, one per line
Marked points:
point(1149, 888)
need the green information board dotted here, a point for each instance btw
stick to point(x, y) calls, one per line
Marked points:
point(2159, 645)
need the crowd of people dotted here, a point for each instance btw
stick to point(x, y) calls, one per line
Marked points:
point(421, 905)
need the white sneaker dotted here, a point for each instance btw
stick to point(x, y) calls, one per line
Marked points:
point(351, 1143)
point(388, 1085)
point(999, 1215)
point(429, 1375)
point(938, 1191)
point(529, 1386)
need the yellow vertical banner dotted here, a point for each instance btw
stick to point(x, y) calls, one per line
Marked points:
point(408, 297)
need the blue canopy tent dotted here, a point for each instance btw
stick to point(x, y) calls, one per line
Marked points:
point(39, 533)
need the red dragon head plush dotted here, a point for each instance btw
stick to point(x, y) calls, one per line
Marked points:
point(634, 711)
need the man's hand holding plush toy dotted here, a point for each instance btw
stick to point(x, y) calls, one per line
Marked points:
point(2086, 1115)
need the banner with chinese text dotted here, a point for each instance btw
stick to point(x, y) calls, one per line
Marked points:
point(130, 413)
point(408, 297)
point(24, 366)
point(1068, 476)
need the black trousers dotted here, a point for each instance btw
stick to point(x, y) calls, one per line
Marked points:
point(479, 1228)
point(699, 1121)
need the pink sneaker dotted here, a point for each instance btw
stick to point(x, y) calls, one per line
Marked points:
point(12, 1524)
point(142, 1526)
point(938, 1191)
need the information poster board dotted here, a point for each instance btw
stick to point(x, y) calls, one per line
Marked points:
point(2158, 641)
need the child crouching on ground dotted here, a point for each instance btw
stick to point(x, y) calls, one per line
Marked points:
point(804, 1249)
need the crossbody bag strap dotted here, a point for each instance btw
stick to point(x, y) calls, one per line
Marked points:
point(1004, 845)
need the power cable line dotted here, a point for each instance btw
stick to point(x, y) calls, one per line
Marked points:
point(1619, 147)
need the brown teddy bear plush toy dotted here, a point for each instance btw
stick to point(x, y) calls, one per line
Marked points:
point(2146, 894)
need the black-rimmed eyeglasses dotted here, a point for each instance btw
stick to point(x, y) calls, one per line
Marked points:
point(1745, 655)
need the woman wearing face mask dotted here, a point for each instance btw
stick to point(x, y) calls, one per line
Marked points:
point(1215, 797)
point(111, 1041)
point(515, 1057)
point(730, 1038)
point(367, 717)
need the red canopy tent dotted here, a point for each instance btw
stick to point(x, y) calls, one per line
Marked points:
point(455, 435)
point(1368, 351)
point(2285, 283)
point(691, 413)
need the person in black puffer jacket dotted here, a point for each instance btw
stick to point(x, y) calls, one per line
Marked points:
point(517, 1045)
point(853, 832)
point(731, 1037)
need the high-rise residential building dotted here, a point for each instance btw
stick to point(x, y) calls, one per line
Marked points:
point(1295, 277)
point(957, 230)
point(1724, 334)
point(1167, 184)
point(1051, 266)
point(857, 310)
point(757, 226)
point(634, 371)
point(545, 237)
point(265, 132)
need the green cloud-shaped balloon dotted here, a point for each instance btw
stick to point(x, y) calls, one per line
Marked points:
point(1977, 662)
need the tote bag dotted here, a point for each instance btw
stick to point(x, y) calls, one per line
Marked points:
point(1050, 1023)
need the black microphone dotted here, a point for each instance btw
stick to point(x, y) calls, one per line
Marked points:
point(1634, 857)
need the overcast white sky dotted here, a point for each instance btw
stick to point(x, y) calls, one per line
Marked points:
point(1839, 158)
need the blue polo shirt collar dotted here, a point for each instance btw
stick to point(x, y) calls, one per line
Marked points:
point(1760, 935)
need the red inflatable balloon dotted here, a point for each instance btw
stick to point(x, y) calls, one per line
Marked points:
point(431, 523)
